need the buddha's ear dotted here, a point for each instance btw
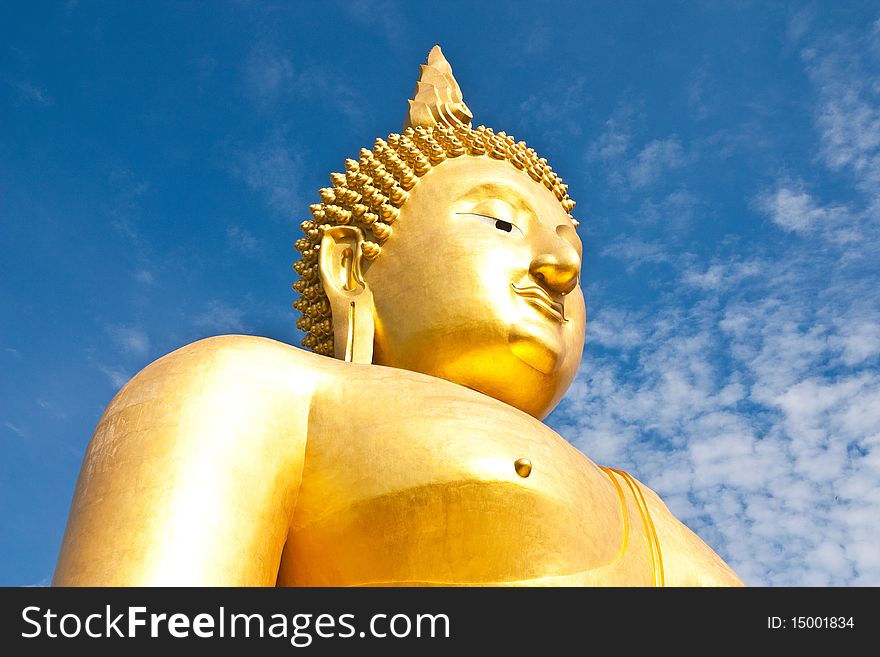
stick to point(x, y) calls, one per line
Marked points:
point(351, 300)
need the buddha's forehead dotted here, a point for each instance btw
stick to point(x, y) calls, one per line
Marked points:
point(468, 180)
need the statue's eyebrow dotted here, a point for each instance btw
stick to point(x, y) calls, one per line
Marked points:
point(503, 193)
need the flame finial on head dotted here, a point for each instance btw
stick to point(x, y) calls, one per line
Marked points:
point(437, 99)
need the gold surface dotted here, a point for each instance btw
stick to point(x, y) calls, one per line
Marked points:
point(445, 283)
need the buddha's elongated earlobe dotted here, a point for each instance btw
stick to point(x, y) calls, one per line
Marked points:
point(351, 300)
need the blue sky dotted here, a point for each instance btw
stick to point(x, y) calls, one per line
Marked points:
point(156, 158)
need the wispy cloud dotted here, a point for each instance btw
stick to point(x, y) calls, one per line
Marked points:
point(31, 93)
point(615, 138)
point(793, 210)
point(220, 317)
point(240, 240)
point(385, 15)
point(317, 83)
point(848, 124)
point(749, 396)
point(658, 229)
point(657, 157)
point(130, 339)
point(52, 409)
point(117, 376)
point(700, 96)
point(729, 411)
point(856, 339)
point(14, 428)
point(272, 169)
point(144, 276)
point(675, 210)
point(722, 275)
point(636, 252)
point(849, 106)
point(557, 110)
point(616, 328)
point(268, 75)
point(46, 581)
point(271, 77)
point(799, 24)
point(537, 40)
point(627, 165)
point(123, 202)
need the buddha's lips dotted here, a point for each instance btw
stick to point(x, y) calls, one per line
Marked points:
point(538, 297)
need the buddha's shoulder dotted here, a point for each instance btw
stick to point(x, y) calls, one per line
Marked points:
point(235, 355)
point(236, 360)
point(219, 365)
point(243, 367)
point(225, 356)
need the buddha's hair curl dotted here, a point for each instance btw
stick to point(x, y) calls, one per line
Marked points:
point(373, 188)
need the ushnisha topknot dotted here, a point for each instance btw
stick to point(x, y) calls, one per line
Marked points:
point(373, 188)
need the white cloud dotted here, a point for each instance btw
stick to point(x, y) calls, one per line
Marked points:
point(616, 329)
point(219, 317)
point(46, 581)
point(130, 339)
point(636, 252)
point(31, 93)
point(614, 140)
point(669, 220)
point(319, 83)
point(858, 340)
point(51, 408)
point(698, 102)
point(144, 276)
point(799, 24)
point(612, 149)
point(721, 275)
point(14, 428)
point(268, 75)
point(274, 170)
point(383, 14)
point(556, 111)
point(657, 157)
point(539, 37)
point(115, 375)
point(674, 212)
point(848, 114)
point(726, 410)
point(851, 134)
point(241, 240)
point(793, 209)
point(749, 397)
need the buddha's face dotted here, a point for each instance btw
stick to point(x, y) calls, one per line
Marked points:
point(479, 285)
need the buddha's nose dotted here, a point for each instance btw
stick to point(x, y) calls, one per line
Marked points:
point(558, 271)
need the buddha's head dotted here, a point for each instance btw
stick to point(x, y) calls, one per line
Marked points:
point(447, 251)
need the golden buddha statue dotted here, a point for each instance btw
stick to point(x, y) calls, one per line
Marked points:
point(440, 294)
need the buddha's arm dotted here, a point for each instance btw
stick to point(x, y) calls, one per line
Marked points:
point(192, 474)
point(687, 560)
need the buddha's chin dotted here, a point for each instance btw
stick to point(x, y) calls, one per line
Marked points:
point(537, 345)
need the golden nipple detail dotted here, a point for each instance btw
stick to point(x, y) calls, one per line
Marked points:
point(523, 467)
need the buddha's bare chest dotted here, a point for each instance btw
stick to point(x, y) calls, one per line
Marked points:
point(446, 488)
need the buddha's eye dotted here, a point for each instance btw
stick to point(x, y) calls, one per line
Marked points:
point(500, 224)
